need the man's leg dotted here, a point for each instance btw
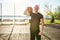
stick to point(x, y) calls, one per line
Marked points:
point(38, 37)
point(32, 36)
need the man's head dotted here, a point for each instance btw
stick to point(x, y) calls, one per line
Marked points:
point(36, 8)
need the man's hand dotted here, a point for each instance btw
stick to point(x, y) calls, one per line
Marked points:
point(40, 33)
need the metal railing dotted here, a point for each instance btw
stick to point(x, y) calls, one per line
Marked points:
point(14, 18)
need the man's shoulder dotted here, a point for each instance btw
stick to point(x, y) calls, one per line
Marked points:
point(39, 13)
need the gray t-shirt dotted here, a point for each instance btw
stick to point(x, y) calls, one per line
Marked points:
point(35, 20)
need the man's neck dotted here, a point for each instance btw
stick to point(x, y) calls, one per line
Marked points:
point(36, 12)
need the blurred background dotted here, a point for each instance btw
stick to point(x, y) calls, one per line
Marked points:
point(13, 22)
point(15, 8)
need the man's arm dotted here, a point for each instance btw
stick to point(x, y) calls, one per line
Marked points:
point(42, 26)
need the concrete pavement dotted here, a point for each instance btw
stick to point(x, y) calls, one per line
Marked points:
point(22, 32)
point(52, 33)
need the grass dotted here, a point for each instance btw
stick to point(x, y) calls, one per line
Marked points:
point(48, 21)
point(57, 22)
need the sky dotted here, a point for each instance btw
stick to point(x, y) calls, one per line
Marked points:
point(21, 5)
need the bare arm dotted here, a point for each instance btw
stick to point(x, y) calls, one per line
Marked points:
point(42, 26)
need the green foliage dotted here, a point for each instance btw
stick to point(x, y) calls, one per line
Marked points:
point(55, 14)
point(48, 21)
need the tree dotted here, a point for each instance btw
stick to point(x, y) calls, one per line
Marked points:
point(53, 15)
point(57, 10)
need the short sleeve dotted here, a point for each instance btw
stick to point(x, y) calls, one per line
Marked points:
point(41, 16)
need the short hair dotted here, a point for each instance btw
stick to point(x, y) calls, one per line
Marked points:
point(36, 6)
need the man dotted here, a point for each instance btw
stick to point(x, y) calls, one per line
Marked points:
point(36, 18)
